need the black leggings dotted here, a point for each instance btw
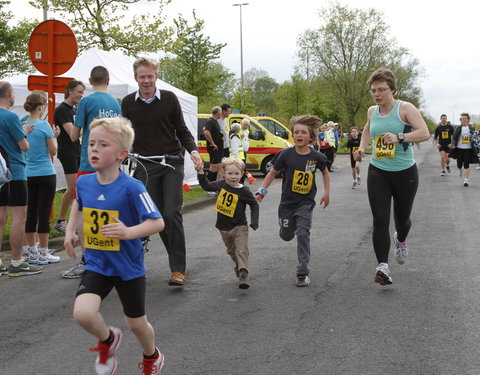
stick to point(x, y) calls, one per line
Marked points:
point(463, 157)
point(382, 186)
point(41, 192)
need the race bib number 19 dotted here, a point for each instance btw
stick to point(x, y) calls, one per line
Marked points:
point(384, 150)
point(94, 220)
point(302, 182)
point(226, 203)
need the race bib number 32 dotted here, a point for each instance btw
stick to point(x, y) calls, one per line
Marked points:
point(94, 220)
point(302, 182)
point(226, 203)
point(384, 150)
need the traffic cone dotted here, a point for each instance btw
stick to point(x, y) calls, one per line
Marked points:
point(251, 179)
point(186, 187)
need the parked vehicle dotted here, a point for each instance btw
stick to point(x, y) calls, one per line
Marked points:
point(263, 144)
point(275, 127)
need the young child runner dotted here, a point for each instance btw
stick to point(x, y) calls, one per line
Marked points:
point(353, 144)
point(299, 164)
point(116, 211)
point(231, 203)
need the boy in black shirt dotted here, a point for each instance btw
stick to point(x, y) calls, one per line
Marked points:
point(231, 219)
point(299, 164)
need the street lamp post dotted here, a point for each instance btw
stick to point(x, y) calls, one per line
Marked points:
point(241, 42)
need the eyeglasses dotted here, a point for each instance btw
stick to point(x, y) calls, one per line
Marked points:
point(379, 90)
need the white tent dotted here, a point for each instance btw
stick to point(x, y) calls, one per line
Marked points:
point(122, 83)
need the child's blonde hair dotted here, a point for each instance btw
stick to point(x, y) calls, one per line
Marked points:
point(233, 160)
point(119, 127)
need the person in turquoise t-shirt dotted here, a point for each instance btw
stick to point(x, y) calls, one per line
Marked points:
point(100, 104)
point(392, 128)
point(41, 179)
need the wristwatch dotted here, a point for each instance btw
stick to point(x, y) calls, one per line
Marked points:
point(401, 137)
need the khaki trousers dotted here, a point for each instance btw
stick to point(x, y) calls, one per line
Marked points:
point(236, 241)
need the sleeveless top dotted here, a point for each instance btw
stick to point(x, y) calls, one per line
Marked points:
point(395, 157)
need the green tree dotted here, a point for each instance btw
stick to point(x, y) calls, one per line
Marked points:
point(14, 46)
point(192, 63)
point(242, 100)
point(103, 23)
point(291, 97)
point(264, 88)
point(347, 48)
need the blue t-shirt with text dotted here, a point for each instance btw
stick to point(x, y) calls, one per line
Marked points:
point(95, 106)
point(126, 199)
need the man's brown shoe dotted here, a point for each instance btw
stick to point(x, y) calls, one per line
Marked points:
point(178, 278)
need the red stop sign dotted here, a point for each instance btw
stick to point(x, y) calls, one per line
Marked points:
point(52, 47)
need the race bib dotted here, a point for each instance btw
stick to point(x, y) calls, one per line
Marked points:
point(302, 182)
point(465, 139)
point(384, 150)
point(93, 221)
point(354, 149)
point(226, 203)
point(444, 135)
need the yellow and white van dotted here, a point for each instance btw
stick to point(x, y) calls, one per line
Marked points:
point(275, 127)
point(263, 144)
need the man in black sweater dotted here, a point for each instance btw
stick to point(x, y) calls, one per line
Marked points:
point(160, 129)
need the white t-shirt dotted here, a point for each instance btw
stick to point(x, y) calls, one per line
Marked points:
point(464, 140)
point(224, 130)
point(245, 141)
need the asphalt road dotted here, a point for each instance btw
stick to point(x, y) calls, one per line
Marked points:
point(425, 323)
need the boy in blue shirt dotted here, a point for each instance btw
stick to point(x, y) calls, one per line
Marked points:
point(116, 211)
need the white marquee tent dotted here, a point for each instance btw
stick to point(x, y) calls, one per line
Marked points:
point(122, 83)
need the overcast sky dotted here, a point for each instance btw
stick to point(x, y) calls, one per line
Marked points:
point(443, 36)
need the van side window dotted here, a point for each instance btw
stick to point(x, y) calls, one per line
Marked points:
point(201, 125)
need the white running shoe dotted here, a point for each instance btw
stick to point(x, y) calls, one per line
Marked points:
point(34, 257)
point(465, 182)
point(359, 180)
point(48, 256)
point(25, 252)
point(152, 366)
point(106, 362)
point(383, 276)
point(354, 185)
point(401, 250)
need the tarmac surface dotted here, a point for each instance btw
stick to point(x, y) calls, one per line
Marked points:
point(425, 323)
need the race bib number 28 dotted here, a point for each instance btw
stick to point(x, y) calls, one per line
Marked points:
point(302, 182)
point(384, 150)
point(94, 220)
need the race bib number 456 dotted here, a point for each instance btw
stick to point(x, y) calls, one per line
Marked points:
point(94, 220)
point(226, 203)
point(384, 150)
point(302, 182)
